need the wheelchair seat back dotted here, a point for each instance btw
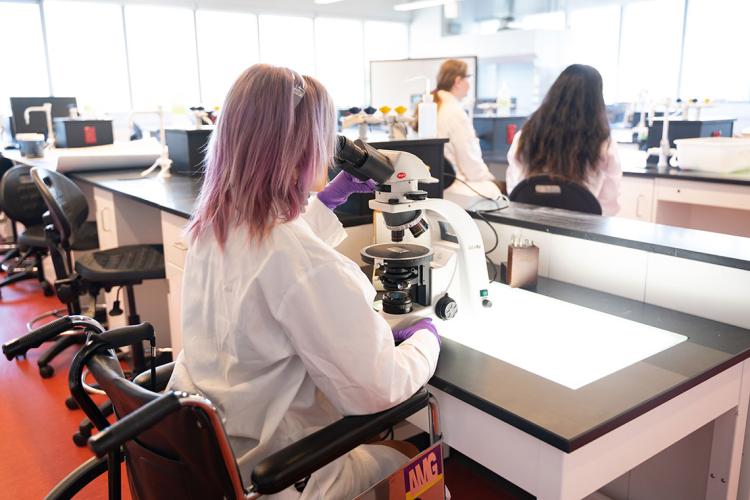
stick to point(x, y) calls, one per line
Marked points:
point(185, 455)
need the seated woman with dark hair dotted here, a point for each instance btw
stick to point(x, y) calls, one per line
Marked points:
point(569, 137)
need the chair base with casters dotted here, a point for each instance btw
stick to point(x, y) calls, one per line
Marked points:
point(174, 444)
point(556, 192)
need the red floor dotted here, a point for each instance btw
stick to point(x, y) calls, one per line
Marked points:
point(36, 447)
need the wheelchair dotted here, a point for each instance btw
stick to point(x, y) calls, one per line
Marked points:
point(174, 444)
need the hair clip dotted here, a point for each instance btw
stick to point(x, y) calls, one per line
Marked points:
point(298, 91)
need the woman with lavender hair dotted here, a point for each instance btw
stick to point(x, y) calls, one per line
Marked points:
point(278, 327)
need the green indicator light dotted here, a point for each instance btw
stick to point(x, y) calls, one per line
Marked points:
point(484, 293)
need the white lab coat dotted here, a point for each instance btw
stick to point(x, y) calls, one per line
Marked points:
point(463, 151)
point(282, 337)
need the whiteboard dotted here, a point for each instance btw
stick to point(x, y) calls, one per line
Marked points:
point(389, 88)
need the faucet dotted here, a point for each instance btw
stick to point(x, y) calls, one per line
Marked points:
point(46, 108)
point(162, 162)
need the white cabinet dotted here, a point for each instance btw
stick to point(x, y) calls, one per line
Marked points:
point(175, 249)
point(122, 221)
point(637, 198)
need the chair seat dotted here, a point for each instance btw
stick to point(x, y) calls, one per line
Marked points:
point(33, 237)
point(126, 264)
point(86, 238)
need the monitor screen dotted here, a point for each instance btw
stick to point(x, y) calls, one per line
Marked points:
point(37, 121)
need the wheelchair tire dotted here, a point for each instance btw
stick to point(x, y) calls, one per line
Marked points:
point(46, 371)
point(71, 404)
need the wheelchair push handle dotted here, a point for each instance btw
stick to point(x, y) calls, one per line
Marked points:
point(127, 335)
point(130, 426)
point(35, 338)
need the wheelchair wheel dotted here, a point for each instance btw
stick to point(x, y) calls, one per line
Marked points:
point(80, 440)
point(46, 371)
point(71, 404)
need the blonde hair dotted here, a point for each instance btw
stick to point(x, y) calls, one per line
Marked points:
point(446, 79)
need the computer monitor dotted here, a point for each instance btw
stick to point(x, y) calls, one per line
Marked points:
point(37, 121)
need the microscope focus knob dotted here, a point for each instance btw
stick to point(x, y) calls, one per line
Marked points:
point(446, 308)
point(416, 195)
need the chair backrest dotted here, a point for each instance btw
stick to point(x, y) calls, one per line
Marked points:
point(19, 197)
point(555, 192)
point(185, 455)
point(65, 201)
point(449, 173)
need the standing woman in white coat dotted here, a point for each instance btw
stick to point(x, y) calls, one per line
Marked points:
point(463, 149)
point(278, 327)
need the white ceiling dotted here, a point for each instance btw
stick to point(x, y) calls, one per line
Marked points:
point(362, 9)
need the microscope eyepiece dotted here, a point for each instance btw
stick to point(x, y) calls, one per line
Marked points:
point(362, 160)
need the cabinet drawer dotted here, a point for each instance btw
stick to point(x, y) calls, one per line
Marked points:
point(704, 193)
point(175, 239)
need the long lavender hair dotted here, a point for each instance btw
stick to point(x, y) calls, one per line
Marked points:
point(274, 140)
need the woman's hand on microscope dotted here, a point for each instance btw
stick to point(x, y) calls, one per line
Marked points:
point(402, 334)
point(341, 187)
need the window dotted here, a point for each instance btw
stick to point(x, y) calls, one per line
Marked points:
point(339, 60)
point(227, 45)
point(715, 61)
point(650, 62)
point(87, 54)
point(163, 61)
point(386, 40)
point(21, 28)
point(287, 41)
point(594, 40)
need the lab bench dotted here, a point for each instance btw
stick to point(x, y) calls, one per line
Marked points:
point(551, 440)
point(710, 201)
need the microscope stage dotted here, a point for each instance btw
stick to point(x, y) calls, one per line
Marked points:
point(562, 342)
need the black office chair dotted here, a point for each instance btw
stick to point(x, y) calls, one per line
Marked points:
point(92, 272)
point(8, 248)
point(174, 444)
point(555, 192)
point(22, 203)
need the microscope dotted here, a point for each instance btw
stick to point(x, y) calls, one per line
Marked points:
point(442, 273)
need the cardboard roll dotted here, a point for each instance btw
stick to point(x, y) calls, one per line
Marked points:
point(401, 254)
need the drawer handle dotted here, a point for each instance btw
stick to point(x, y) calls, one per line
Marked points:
point(105, 226)
point(180, 246)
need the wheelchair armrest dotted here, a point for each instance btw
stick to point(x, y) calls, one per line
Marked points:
point(163, 374)
point(300, 459)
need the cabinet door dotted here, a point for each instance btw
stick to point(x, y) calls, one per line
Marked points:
point(105, 219)
point(174, 277)
point(636, 198)
point(174, 237)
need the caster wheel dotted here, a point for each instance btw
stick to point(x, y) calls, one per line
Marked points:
point(80, 440)
point(46, 371)
point(71, 404)
point(84, 430)
point(48, 290)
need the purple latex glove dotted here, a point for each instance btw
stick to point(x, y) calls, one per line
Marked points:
point(423, 324)
point(338, 190)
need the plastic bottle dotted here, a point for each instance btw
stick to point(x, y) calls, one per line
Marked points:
point(427, 114)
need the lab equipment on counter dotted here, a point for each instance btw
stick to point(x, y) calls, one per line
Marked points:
point(79, 133)
point(522, 269)
point(187, 149)
point(443, 273)
point(203, 117)
point(31, 145)
point(60, 108)
point(427, 111)
point(163, 163)
point(362, 118)
point(713, 154)
point(397, 123)
point(45, 108)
